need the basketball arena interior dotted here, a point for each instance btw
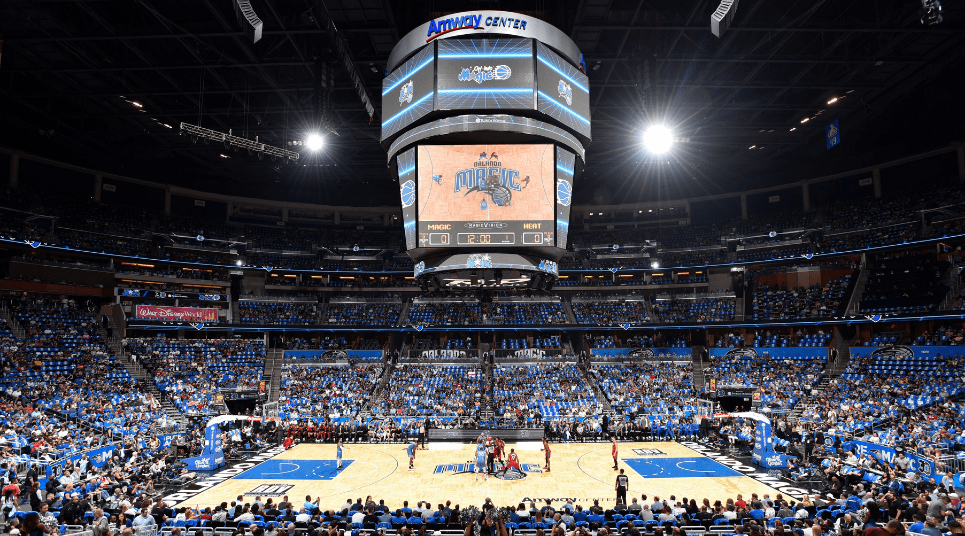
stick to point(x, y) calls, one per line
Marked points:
point(488, 268)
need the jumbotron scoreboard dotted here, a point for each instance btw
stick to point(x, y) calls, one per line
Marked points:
point(485, 118)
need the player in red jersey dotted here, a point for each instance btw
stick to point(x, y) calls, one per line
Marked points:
point(615, 452)
point(546, 449)
point(512, 462)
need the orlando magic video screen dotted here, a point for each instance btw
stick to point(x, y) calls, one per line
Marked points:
point(407, 92)
point(485, 74)
point(486, 195)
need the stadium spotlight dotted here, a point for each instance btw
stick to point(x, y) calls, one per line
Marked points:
point(655, 264)
point(239, 263)
point(658, 139)
point(314, 142)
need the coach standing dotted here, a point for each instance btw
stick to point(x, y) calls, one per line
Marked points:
point(623, 483)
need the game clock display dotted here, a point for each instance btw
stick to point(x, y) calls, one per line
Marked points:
point(486, 195)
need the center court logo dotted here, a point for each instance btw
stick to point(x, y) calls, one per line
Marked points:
point(271, 490)
point(480, 73)
point(470, 468)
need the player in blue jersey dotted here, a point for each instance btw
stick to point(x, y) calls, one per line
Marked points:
point(338, 455)
point(480, 465)
point(410, 450)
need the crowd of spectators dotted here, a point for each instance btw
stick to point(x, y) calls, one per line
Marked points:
point(552, 390)
point(784, 303)
point(362, 314)
point(696, 309)
point(528, 313)
point(279, 313)
point(445, 313)
point(607, 313)
point(895, 399)
point(439, 391)
point(659, 388)
point(326, 393)
point(782, 380)
point(62, 365)
point(193, 372)
point(280, 238)
point(904, 282)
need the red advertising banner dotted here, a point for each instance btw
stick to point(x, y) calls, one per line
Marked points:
point(176, 314)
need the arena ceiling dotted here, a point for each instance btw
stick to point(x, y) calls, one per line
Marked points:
point(72, 72)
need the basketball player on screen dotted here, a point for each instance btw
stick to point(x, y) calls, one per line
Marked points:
point(615, 452)
point(546, 449)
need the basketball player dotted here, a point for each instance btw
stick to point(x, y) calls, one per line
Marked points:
point(500, 448)
point(338, 456)
point(512, 462)
point(546, 449)
point(623, 483)
point(615, 452)
point(480, 465)
point(410, 450)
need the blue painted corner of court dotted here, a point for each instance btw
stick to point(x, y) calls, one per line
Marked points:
point(697, 467)
point(295, 470)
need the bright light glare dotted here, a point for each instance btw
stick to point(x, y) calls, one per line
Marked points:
point(655, 264)
point(658, 139)
point(314, 142)
point(239, 263)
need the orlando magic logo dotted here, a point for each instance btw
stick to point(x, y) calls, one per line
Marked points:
point(405, 94)
point(480, 74)
point(564, 193)
point(469, 468)
point(894, 352)
point(566, 92)
point(479, 261)
point(642, 353)
point(748, 353)
point(501, 195)
point(407, 193)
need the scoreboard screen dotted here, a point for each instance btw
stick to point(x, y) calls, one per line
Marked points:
point(486, 195)
point(494, 74)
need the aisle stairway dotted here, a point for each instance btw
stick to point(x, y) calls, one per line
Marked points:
point(570, 317)
point(404, 314)
point(698, 365)
point(272, 376)
point(595, 387)
point(15, 327)
point(854, 299)
point(378, 393)
point(809, 401)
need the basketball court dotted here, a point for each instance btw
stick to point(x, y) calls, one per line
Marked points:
point(444, 472)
